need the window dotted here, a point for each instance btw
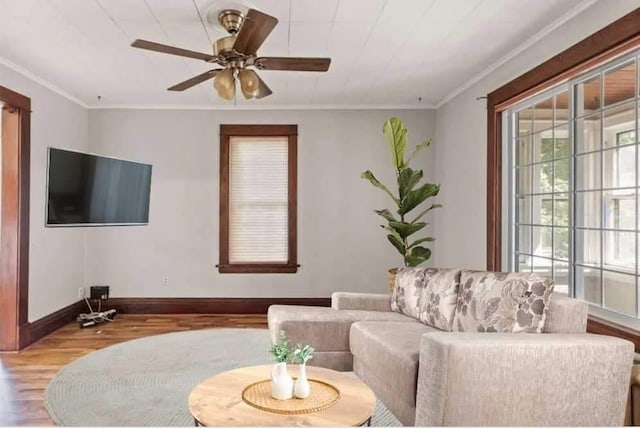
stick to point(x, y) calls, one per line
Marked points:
point(541, 192)
point(572, 176)
point(258, 181)
point(622, 202)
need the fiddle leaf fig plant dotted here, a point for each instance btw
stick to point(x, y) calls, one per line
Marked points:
point(408, 195)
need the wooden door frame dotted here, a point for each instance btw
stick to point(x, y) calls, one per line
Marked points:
point(14, 222)
point(610, 41)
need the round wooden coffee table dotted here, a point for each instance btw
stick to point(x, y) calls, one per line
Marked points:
point(218, 401)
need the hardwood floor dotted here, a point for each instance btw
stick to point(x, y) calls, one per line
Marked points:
point(25, 375)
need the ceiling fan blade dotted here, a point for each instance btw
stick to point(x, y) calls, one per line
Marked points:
point(263, 89)
point(293, 64)
point(194, 80)
point(253, 32)
point(159, 47)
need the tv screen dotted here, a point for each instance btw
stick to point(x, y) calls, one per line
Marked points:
point(90, 190)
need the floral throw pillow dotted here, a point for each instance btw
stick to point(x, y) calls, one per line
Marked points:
point(426, 294)
point(408, 291)
point(502, 302)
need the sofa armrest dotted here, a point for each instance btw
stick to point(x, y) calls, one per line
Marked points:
point(522, 379)
point(361, 301)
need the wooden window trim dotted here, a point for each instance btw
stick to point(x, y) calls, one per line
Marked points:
point(291, 132)
point(14, 224)
point(613, 40)
point(599, 325)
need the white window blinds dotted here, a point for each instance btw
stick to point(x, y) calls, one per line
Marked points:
point(258, 199)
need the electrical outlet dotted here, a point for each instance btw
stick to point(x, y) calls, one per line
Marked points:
point(81, 293)
point(165, 281)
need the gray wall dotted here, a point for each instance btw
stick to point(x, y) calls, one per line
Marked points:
point(56, 256)
point(461, 149)
point(340, 245)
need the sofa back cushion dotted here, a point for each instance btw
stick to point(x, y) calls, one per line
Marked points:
point(566, 315)
point(426, 294)
point(502, 302)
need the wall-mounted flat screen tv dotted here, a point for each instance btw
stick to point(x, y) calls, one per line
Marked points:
point(89, 190)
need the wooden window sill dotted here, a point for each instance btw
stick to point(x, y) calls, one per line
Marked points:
point(599, 325)
point(258, 268)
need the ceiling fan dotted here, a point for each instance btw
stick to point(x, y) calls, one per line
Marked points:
point(236, 53)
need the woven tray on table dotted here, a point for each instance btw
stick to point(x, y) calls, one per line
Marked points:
point(323, 396)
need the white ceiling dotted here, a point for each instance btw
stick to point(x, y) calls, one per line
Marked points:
point(384, 52)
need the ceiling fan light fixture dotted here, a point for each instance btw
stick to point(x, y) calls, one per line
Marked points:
point(249, 83)
point(224, 79)
point(227, 93)
point(248, 28)
point(224, 83)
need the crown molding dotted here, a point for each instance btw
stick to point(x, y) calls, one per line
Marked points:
point(585, 4)
point(259, 107)
point(41, 81)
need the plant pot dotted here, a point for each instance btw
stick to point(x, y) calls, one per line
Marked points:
point(391, 278)
point(281, 382)
point(301, 388)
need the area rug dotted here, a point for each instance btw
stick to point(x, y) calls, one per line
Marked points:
point(147, 382)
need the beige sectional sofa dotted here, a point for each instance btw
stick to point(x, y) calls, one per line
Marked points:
point(454, 375)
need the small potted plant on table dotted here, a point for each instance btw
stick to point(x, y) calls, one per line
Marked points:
point(281, 382)
point(302, 354)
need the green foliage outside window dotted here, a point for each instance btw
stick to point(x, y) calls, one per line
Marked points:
point(554, 177)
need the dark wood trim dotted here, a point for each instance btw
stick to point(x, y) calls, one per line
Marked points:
point(584, 67)
point(24, 179)
point(14, 99)
point(161, 305)
point(494, 192)
point(207, 305)
point(291, 132)
point(572, 59)
point(14, 224)
point(599, 326)
point(257, 268)
point(24, 337)
point(46, 325)
point(223, 243)
point(293, 199)
point(611, 40)
point(9, 289)
point(258, 130)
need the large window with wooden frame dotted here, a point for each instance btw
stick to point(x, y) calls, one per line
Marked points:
point(258, 182)
point(571, 173)
point(619, 207)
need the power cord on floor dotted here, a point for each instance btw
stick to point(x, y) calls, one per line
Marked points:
point(96, 317)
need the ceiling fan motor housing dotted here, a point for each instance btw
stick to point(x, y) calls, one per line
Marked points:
point(231, 20)
point(223, 45)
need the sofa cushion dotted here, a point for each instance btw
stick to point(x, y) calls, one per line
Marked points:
point(566, 315)
point(502, 302)
point(426, 294)
point(390, 351)
point(325, 329)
